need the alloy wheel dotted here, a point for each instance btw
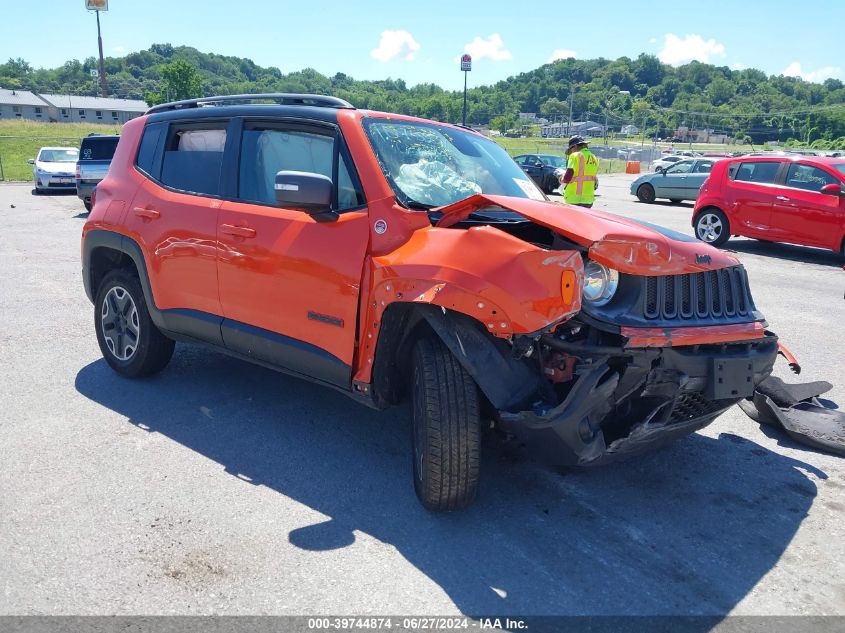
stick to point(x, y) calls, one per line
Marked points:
point(119, 322)
point(709, 227)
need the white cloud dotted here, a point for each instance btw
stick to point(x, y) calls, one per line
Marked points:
point(561, 53)
point(815, 76)
point(677, 51)
point(653, 40)
point(395, 44)
point(118, 49)
point(491, 48)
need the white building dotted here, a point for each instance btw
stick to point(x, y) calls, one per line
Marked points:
point(93, 109)
point(22, 104)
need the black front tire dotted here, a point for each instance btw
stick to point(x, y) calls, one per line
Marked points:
point(645, 193)
point(675, 200)
point(152, 349)
point(446, 428)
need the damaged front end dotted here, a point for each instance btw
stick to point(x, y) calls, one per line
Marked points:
point(620, 401)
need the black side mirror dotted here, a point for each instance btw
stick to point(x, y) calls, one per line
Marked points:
point(833, 189)
point(31, 161)
point(309, 192)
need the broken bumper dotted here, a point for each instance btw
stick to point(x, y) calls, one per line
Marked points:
point(624, 405)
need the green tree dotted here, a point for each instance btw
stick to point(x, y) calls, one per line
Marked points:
point(181, 80)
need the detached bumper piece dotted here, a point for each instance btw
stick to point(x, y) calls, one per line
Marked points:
point(797, 410)
point(643, 399)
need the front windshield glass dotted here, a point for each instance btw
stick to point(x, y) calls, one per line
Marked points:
point(430, 165)
point(58, 155)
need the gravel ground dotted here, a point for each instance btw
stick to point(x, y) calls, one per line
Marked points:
point(220, 487)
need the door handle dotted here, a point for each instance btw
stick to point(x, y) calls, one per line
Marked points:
point(237, 231)
point(782, 198)
point(148, 214)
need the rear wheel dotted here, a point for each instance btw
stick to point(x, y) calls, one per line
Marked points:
point(446, 428)
point(645, 193)
point(129, 341)
point(711, 226)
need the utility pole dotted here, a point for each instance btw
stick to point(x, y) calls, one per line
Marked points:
point(96, 6)
point(466, 66)
point(104, 87)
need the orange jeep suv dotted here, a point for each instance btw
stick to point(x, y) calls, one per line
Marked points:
point(384, 255)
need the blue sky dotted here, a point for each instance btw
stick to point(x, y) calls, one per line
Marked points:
point(421, 41)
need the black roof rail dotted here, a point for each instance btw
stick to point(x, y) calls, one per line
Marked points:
point(280, 98)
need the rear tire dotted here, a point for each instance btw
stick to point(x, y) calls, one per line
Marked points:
point(645, 193)
point(446, 428)
point(129, 340)
point(712, 226)
point(87, 204)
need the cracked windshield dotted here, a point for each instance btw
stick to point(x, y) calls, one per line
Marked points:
point(432, 166)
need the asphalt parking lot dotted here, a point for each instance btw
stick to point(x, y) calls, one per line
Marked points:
point(221, 487)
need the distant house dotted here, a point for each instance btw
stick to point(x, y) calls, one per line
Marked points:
point(584, 128)
point(22, 104)
point(630, 129)
point(93, 109)
point(701, 136)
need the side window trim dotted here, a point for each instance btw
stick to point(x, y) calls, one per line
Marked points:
point(303, 125)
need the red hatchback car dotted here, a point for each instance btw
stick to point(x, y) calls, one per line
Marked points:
point(794, 199)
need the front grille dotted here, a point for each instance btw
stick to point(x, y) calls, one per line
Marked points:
point(691, 405)
point(694, 296)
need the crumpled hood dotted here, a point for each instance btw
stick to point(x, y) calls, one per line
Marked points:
point(629, 246)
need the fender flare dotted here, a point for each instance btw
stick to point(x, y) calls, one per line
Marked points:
point(99, 238)
point(506, 381)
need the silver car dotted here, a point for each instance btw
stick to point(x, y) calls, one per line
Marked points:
point(54, 168)
point(679, 182)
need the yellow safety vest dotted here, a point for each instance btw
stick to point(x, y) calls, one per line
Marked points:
point(581, 189)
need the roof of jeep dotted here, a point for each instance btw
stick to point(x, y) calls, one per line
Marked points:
point(329, 115)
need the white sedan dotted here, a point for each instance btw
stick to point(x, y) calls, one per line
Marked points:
point(664, 162)
point(54, 168)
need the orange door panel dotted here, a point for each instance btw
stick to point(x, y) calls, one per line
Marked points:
point(178, 234)
point(283, 272)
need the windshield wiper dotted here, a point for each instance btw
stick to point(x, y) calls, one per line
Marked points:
point(413, 204)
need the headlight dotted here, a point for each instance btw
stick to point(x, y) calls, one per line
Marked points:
point(600, 283)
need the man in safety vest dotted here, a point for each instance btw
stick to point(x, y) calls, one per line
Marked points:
point(580, 181)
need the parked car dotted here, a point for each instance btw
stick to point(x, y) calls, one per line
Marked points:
point(52, 168)
point(544, 169)
point(384, 255)
point(664, 162)
point(680, 181)
point(793, 199)
point(95, 154)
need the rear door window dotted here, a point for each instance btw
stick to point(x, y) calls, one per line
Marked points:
point(764, 172)
point(807, 177)
point(193, 156)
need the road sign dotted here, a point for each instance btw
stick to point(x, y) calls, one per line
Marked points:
point(94, 72)
point(97, 5)
point(466, 63)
